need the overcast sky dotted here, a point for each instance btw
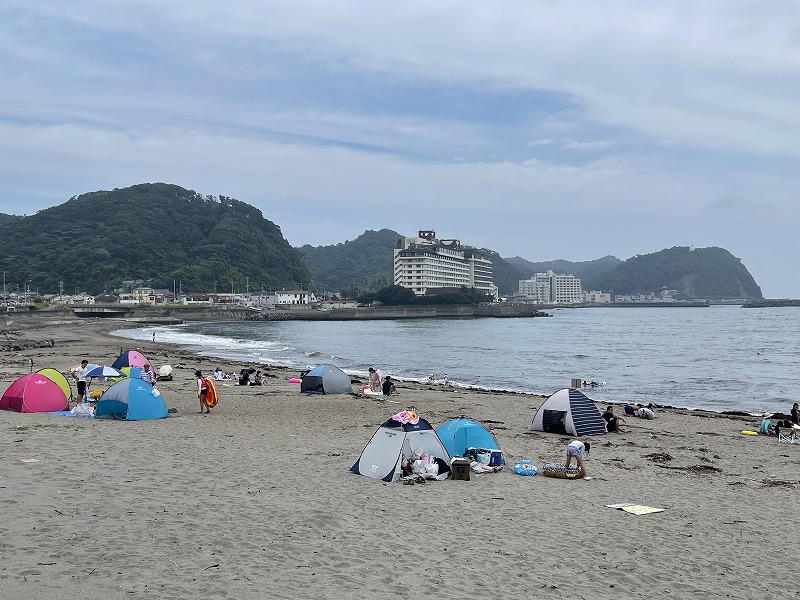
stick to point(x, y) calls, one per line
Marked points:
point(538, 129)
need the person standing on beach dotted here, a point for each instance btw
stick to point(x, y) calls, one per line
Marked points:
point(795, 414)
point(374, 379)
point(577, 449)
point(79, 373)
point(202, 392)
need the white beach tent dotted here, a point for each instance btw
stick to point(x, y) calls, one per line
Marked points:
point(383, 455)
point(569, 411)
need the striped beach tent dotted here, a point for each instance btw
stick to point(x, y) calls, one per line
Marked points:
point(569, 411)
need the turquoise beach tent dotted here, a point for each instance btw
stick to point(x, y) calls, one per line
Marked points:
point(459, 434)
point(132, 400)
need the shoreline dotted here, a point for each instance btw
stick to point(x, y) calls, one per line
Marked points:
point(101, 328)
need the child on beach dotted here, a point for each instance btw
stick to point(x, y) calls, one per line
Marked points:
point(374, 379)
point(202, 392)
point(577, 449)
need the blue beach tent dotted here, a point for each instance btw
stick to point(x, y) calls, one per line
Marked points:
point(459, 434)
point(132, 400)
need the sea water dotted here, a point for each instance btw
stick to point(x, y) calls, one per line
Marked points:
point(722, 358)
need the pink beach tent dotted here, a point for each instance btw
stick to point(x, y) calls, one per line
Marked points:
point(34, 393)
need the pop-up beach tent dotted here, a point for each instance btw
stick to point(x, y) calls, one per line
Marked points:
point(130, 358)
point(34, 393)
point(132, 400)
point(382, 456)
point(59, 378)
point(459, 434)
point(326, 379)
point(569, 411)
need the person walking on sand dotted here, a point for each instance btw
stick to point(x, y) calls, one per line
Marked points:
point(202, 392)
point(577, 449)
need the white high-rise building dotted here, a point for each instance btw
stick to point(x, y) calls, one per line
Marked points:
point(552, 288)
point(427, 265)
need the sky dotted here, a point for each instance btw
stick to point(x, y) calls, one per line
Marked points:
point(540, 129)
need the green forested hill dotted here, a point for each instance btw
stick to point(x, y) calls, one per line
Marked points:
point(158, 233)
point(585, 271)
point(362, 265)
point(707, 273)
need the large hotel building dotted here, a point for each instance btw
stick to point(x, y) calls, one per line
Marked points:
point(430, 266)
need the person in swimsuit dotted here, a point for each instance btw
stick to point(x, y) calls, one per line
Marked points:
point(202, 392)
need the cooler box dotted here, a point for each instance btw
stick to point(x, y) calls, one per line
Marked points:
point(460, 468)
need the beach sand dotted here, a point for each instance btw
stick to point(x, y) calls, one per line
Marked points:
point(256, 499)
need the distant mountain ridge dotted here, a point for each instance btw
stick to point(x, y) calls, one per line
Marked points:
point(366, 263)
point(164, 235)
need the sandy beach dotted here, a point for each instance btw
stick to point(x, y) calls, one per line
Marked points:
point(256, 499)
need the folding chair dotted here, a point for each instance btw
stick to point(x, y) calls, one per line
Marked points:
point(789, 434)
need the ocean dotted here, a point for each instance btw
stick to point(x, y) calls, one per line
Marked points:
point(720, 358)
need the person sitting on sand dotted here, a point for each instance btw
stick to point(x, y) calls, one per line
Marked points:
point(579, 450)
point(148, 375)
point(479, 467)
point(388, 387)
point(202, 392)
point(613, 422)
point(766, 425)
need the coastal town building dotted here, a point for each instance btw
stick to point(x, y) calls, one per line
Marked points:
point(595, 297)
point(426, 265)
point(294, 297)
point(551, 288)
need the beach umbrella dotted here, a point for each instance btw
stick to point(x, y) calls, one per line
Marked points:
point(104, 371)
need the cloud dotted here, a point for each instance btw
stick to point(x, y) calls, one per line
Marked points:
point(645, 124)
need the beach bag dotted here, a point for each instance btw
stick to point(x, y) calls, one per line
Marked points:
point(524, 467)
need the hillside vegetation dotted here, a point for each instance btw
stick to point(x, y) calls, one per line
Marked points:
point(707, 273)
point(365, 264)
point(156, 233)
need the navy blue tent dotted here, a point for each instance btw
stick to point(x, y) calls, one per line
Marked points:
point(326, 379)
point(569, 411)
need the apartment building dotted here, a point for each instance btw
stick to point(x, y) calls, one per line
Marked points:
point(425, 264)
point(552, 288)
